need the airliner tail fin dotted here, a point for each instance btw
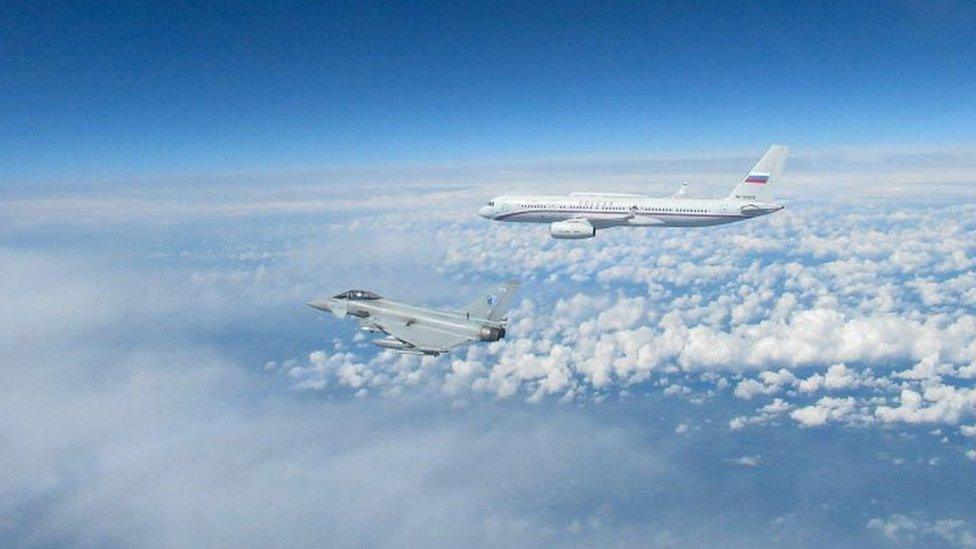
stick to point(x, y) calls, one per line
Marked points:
point(756, 185)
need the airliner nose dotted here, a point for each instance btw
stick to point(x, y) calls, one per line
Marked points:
point(485, 212)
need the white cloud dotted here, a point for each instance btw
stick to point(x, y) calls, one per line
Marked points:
point(778, 406)
point(895, 527)
point(749, 388)
point(765, 415)
point(839, 376)
point(747, 461)
point(902, 528)
point(826, 409)
point(937, 403)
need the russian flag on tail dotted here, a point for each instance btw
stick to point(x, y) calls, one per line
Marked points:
point(758, 178)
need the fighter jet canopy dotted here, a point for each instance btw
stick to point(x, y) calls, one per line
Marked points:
point(357, 295)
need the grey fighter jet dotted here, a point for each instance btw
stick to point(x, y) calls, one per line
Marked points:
point(422, 331)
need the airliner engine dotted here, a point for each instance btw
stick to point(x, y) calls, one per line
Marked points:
point(572, 229)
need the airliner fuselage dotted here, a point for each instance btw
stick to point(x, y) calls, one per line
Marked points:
point(579, 215)
point(614, 210)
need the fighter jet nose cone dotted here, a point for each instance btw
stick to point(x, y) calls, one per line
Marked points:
point(485, 212)
point(320, 305)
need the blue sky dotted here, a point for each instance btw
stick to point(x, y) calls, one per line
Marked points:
point(177, 180)
point(113, 90)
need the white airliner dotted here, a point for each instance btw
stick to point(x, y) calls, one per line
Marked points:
point(579, 215)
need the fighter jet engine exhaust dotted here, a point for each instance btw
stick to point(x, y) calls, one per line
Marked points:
point(492, 334)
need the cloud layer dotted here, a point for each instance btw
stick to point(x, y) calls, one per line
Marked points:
point(861, 314)
point(163, 384)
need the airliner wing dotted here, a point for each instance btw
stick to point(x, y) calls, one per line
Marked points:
point(602, 221)
point(421, 336)
point(645, 221)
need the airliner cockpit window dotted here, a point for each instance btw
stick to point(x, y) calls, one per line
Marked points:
point(357, 295)
point(491, 202)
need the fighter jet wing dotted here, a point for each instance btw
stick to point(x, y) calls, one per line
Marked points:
point(420, 335)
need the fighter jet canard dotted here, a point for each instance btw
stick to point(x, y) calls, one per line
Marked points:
point(579, 215)
point(421, 331)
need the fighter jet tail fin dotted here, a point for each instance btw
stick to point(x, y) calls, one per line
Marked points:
point(494, 305)
point(756, 185)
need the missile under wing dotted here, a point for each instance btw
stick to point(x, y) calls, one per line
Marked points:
point(418, 330)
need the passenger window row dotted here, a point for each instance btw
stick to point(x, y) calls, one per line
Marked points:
point(613, 208)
